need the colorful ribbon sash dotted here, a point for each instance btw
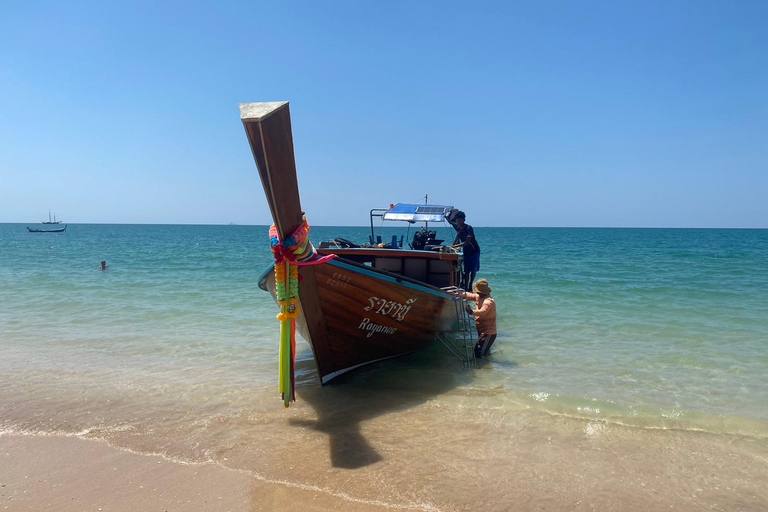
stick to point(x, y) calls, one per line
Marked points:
point(290, 254)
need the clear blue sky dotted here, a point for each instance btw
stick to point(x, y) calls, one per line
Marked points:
point(647, 114)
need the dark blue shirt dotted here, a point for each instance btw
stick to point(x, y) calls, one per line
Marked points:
point(467, 234)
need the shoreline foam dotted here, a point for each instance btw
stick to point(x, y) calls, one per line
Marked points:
point(525, 461)
point(75, 474)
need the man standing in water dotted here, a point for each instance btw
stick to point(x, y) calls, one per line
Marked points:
point(465, 240)
point(485, 317)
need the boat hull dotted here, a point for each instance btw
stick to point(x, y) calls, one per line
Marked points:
point(368, 315)
point(32, 230)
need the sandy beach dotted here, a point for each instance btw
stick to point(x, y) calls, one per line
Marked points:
point(566, 465)
point(70, 474)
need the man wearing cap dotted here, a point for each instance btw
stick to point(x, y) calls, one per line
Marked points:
point(466, 241)
point(485, 316)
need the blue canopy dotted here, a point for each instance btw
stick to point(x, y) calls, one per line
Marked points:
point(417, 212)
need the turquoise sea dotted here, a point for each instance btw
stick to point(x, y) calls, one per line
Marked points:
point(173, 350)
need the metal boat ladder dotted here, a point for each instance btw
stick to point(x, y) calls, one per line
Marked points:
point(461, 340)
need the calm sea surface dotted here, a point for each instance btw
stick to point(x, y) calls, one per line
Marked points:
point(173, 350)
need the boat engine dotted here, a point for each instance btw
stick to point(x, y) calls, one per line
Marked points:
point(425, 240)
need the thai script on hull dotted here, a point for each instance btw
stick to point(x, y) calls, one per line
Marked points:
point(389, 307)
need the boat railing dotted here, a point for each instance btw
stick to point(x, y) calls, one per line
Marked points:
point(460, 341)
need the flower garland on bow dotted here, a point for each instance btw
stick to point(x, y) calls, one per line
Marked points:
point(290, 254)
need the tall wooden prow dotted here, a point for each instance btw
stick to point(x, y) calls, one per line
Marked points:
point(268, 127)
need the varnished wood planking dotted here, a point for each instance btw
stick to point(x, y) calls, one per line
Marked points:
point(314, 318)
point(424, 313)
point(343, 310)
point(268, 127)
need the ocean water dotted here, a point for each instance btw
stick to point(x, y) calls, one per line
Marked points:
point(639, 334)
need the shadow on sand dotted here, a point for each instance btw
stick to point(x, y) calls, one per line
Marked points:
point(372, 391)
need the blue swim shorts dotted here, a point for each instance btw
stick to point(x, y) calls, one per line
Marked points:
point(472, 263)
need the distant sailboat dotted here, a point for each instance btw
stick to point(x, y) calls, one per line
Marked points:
point(54, 221)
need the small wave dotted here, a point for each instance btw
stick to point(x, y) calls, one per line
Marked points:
point(671, 428)
point(10, 431)
point(343, 495)
point(406, 505)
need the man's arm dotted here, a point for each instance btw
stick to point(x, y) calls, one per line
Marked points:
point(459, 245)
point(449, 216)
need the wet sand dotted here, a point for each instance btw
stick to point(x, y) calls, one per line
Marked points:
point(377, 441)
point(69, 474)
point(521, 464)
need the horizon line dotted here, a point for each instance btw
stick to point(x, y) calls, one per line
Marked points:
point(392, 226)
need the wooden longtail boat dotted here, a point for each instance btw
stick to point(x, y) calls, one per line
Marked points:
point(61, 230)
point(367, 304)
